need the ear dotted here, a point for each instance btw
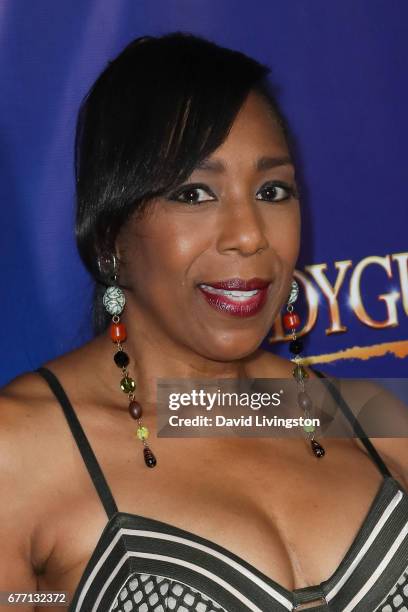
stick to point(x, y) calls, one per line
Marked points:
point(117, 250)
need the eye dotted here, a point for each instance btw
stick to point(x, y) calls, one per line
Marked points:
point(195, 193)
point(276, 191)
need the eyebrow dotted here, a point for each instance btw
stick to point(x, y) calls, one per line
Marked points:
point(263, 163)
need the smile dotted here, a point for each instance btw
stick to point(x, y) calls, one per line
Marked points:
point(238, 296)
point(241, 303)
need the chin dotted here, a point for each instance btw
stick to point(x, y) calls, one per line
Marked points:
point(232, 350)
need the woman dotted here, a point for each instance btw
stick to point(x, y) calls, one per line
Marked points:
point(185, 178)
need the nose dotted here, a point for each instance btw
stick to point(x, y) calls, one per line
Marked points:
point(241, 228)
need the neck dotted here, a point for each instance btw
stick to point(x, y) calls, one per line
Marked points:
point(154, 355)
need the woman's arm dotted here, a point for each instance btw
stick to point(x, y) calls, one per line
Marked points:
point(17, 574)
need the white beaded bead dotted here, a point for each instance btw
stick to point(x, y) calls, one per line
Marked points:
point(114, 300)
point(294, 292)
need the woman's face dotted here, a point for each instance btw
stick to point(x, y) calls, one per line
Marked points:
point(236, 217)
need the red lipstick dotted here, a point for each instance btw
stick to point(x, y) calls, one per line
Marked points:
point(236, 296)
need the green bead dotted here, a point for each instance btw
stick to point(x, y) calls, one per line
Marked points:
point(309, 428)
point(300, 373)
point(142, 432)
point(127, 384)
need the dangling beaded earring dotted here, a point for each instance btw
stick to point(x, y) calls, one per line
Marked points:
point(291, 321)
point(114, 303)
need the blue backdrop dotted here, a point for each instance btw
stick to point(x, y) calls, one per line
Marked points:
point(340, 70)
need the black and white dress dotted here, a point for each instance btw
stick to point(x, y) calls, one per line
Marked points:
point(144, 565)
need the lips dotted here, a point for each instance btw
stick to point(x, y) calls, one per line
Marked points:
point(235, 296)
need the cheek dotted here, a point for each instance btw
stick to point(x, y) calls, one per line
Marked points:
point(283, 234)
point(167, 253)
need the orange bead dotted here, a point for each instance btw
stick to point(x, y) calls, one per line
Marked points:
point(118, 332)
point(291, 320)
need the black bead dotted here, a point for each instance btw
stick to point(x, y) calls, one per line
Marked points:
point(150, 459)
point(296, 347)
point(121, 359)
point(317, 448)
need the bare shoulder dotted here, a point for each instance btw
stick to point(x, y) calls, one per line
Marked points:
point(27, 419)
point(385, 415)
point(24, 404)
point(24, 411)
point(33, 429)
point(373, 405)
point(384, 418)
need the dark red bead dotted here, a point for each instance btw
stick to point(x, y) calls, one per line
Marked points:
point(317, 448)
point(135, 410)
point(118, 332)
point(291, 320)
point(150, 459)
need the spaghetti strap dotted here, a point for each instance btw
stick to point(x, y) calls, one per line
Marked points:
point(85, 449)
point(355, 425)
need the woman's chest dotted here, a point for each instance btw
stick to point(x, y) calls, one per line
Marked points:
point(294, 524)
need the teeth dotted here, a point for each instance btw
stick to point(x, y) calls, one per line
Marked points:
point(240, 296)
